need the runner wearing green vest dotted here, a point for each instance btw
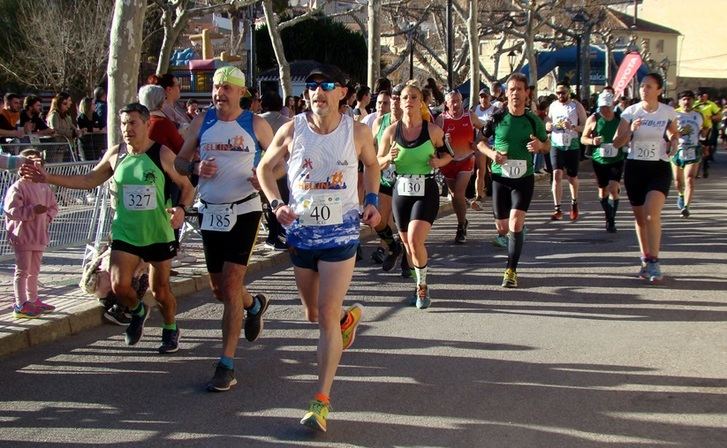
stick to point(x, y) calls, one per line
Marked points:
point(390, 248)
point(416, 148)
point(142, 171)
point(518, 134)
point(608, 156)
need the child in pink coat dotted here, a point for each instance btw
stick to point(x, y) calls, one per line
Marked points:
point(29, 209)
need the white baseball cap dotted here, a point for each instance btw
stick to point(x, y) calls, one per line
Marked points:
point(605, 99)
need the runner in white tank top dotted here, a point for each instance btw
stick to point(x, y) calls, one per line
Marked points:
point(228, 141)
point(322, 217)
point(322, 177)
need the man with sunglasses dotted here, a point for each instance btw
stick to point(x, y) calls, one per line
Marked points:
point(565, 121)
point(322, 216)
point(223, 147)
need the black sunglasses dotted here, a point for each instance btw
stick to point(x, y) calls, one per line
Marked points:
point(325, 85)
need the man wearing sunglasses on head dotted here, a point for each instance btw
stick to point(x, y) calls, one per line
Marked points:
point(223, 148)
point(322, 217)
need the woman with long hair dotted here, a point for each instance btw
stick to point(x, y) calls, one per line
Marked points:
point(59, 116)
point(88, 120)
point(647, 171)
point(416, 147)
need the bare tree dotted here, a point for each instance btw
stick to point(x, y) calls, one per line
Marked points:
point(175, 17)
point(60, 45)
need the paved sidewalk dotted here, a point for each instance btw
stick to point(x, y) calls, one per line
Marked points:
point(77, 311)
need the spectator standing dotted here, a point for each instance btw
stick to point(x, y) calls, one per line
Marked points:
point(288, 109)
point(363, 97)
point(100, 105)
point(10, 115)
point(192, 108)
point(30, 117)
point(161, 128)
point(59, 117)
point(29, 208)
point(172, 92)
point(88, 119)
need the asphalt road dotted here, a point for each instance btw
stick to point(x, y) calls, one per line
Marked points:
point(583, 354)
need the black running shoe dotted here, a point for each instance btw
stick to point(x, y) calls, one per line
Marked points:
point(170, 341)
point(611, 227)
point(136, 327)
point(223, 379)
point(254, 322)
point(378, 255)
point(461, 235)
point(116, 314)
point(392, 256)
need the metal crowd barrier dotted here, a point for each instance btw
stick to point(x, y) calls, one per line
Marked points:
point(83, 215)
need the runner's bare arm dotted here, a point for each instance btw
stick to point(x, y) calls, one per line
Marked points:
point(386, 143)
point(586, 138)
point(98, 174)
point(367, 154)
point(623, 134)
point(274, 156)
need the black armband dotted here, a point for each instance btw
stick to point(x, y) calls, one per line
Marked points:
point(440, 150)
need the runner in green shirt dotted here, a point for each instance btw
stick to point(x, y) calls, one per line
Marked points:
point(608, 156)
point(142, 171)
point(518, 135)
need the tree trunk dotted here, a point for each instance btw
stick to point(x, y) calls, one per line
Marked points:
point(124, 58)
point(586, 66)
point(474, 45)
point(283, 67)
point(374, 42)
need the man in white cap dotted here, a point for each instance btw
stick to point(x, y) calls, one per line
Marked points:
point(224, 147)
point(323, 218)
point(608, 155)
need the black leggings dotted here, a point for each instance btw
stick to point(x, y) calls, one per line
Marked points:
point(411, 208)
point(508, 194)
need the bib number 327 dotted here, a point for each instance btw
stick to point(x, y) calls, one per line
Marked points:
point(218, 218)
point(140, 197)
point(322, 210)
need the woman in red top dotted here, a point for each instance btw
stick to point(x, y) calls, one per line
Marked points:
point(161, 129)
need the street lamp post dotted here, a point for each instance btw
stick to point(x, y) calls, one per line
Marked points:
point(511, 56)
point(664, 69)
point(411, 51)
point(579, 21)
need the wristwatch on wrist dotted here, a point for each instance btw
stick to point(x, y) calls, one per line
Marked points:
point(275, 204)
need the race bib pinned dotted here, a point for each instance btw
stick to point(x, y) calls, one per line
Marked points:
point(140, 197)
point(218, 218)
point(648, 151)
point(562, 138)
point(688, 154)
point(322, 210)
point(410, 186)
point(607, 150)
point(514, 168)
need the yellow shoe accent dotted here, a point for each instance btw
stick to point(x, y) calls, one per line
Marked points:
point(348, 329)
point(316, 415)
